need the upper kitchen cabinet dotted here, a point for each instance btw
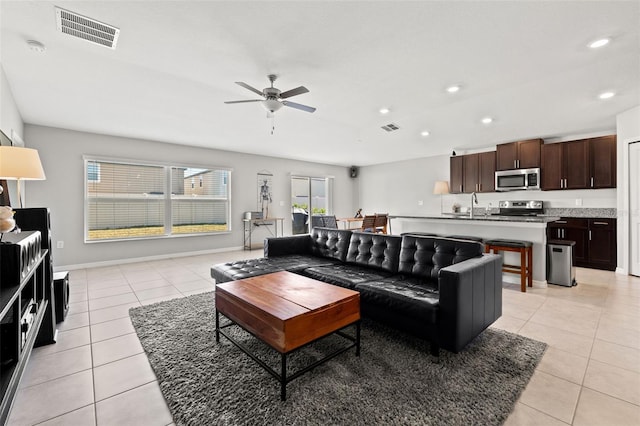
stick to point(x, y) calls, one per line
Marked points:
point(580, 164)
point(603, 161)
point(518, 155)
point(479, 172)
point(456, 177)
point(473, 173)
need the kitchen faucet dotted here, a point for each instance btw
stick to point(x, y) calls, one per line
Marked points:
point(474, 197)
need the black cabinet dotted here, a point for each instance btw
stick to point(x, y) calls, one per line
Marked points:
point(23, 306)
point(602, 244)
point(595, 240)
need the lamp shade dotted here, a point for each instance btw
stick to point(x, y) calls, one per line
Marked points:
point(18, 163)
point(441, 187)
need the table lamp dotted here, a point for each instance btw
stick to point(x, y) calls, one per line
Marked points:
point(439, 188)
point(17, 163)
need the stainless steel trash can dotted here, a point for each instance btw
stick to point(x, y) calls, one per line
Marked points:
point(560, 269)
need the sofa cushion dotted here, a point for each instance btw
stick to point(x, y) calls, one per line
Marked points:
point(423, 257)
point(345, 275)
point(330, 243)
point(379, 251)
point(409, 296)
point(240, 269)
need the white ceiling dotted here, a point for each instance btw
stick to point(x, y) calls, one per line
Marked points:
point(524, 63)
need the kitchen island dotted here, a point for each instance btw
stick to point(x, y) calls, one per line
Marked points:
point(526, 228)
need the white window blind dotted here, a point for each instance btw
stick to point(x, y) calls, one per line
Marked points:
point(126, 200)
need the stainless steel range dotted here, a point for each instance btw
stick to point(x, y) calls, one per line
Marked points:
point(520, 208)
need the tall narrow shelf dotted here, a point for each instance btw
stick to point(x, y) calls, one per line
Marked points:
point(22, 308)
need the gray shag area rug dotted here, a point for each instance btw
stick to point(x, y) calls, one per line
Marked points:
point(393, 381)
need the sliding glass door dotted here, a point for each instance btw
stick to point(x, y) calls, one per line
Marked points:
point(309, 196)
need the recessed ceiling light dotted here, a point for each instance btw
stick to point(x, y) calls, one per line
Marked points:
point(384, 110)
point(453, 89)
point(599, 43)
point(606, 95)
point(36, 46)
point(487, 120)
point(424, 133)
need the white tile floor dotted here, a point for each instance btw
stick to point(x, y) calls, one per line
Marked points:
point(97, 372)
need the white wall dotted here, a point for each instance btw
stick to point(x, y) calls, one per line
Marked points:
point(628, 130)
point(61, 153)
point(10, 119)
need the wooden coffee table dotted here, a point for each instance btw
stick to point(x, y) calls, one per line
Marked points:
point(288, 311)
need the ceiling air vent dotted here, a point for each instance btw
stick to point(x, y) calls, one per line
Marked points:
point(86, 28)
point(390, 127)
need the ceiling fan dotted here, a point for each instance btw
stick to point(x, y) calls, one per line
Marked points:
point(273, 97)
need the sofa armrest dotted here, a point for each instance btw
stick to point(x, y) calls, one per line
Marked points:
point(282, 246)
point(470, 299)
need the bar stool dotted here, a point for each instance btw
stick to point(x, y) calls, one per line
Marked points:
point(525, 248)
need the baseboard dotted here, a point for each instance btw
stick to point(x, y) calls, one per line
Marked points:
point(512, 279)
point(621, 271)
point(142, 259)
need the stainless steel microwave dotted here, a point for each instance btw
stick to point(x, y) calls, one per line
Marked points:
point(513, 180)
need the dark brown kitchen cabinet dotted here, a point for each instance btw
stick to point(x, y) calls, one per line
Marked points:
point(602, 244)
point(603, 161)
point(487, 173)
point(552, 168)
point(565, 165)
point(518, 155)
point(595, 240)
point(455, 174)
point(572, 229)
point(576, 160)
point(479, 172)
point(472, 173)
point(579, 164)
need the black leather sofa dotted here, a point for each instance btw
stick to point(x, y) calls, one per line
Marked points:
point(442, 289)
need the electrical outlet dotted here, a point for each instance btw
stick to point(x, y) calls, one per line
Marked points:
point(60, 244)
point(420, 202)
point(281, 203)
point(578, 201)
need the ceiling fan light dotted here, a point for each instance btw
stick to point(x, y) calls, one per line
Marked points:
point(271, 105)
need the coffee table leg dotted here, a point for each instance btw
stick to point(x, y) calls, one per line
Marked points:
point(358, 338)
point(217, 326)
point(283, 377)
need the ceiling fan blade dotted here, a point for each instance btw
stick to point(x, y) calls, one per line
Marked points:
point(293, 92)
point(241, 102)
point(298, 106)
point(246, 86)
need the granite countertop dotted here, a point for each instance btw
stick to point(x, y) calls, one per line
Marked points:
point(550, 215)
point(482, 217)
point(608, 213)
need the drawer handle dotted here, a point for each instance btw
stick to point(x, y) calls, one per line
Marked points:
point(600, 223)
point(561, 221)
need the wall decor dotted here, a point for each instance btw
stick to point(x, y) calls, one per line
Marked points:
point(265, 197)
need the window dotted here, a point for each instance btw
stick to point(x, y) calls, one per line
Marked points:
point(125, 200)
point(199, 208)
point(93, 172)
